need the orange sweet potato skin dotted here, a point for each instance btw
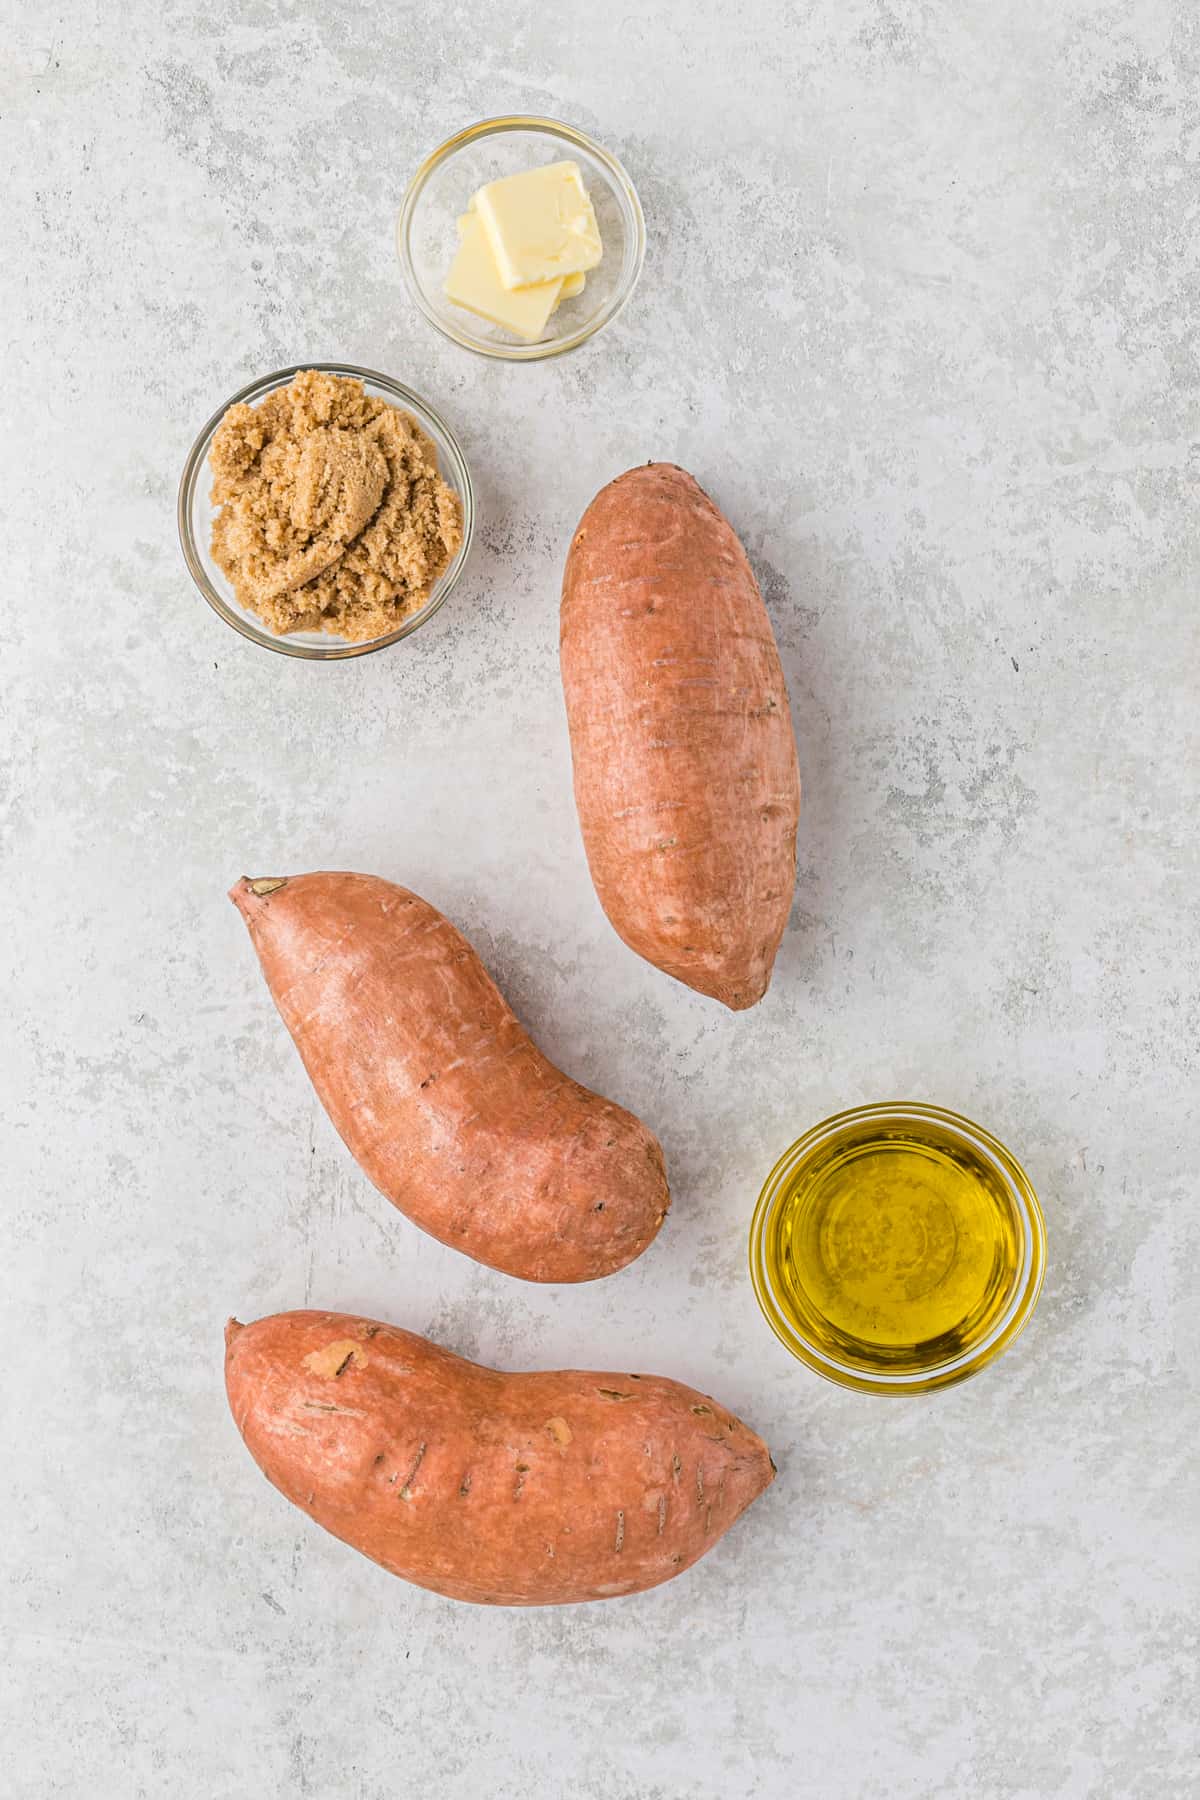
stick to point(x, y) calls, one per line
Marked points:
point(686, 780)
point(505, 1490)
point(448, 1106)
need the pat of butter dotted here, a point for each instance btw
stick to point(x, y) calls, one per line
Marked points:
point(572, 284)
point(474, 283)
point(540, 224)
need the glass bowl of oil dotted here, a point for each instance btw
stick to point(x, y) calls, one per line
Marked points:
point(897, 1248)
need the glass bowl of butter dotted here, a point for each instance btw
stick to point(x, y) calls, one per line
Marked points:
point(521, 238)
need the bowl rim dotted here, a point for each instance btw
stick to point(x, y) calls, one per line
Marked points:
point(1026, 1287)
point(192, 472)
point(494, 127)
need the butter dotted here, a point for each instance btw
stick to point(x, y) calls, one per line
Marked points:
point(474, 283)
point(572, 284)
point(540, 224)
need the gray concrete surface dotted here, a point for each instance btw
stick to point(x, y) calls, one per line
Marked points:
point(920, 308)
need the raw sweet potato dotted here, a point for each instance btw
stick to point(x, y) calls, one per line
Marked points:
point(685, 764)
point(507, 1490)
point(448, 1106)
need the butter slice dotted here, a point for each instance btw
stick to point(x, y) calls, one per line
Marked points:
point(572, 285)
point(540, 224)
point(474, 283)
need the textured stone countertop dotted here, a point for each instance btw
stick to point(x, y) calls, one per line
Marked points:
point(920, 309)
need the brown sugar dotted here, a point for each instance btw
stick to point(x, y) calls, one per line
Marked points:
point(333, 516)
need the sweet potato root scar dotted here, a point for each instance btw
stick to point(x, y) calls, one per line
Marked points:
point(336, 1358)
point(406, 1492)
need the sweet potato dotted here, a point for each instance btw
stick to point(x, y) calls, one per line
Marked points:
point(506, 1490)
point(448, 1106)
point(686, 780)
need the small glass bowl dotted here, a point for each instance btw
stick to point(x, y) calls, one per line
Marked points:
point(908, 1120)
point(196, 512)
point(442, 188)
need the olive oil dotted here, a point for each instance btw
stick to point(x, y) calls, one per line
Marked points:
point(893, 1242)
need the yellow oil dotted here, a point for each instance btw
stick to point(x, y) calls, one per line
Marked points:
point(895, 1248)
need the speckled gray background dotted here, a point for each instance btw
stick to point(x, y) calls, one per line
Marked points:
point(920, 309)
